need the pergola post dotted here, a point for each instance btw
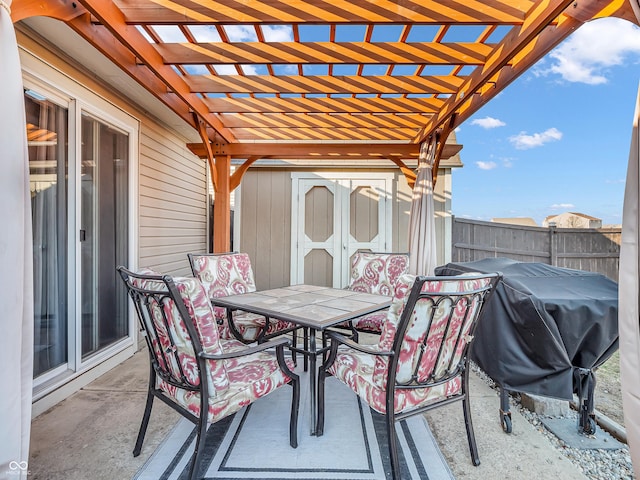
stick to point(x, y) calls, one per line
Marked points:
point(222, 205)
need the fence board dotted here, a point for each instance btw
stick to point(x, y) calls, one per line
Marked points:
point(592, 250)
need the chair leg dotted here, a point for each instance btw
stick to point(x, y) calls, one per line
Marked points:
point(393, 446)
point(473, 448)
point(295, 409)
point(197, 453)
point(145, 423)
point(294, 341)
point(305, 333)
point(320, 420)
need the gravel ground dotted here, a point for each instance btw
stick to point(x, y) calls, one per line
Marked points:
point(596, 464)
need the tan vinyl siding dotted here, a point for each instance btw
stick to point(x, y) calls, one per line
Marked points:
point(172, 208)
point(402, 210)
point(401, 206)
point(266, 225)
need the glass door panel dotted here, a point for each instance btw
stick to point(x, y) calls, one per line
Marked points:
point(47, 141)
point(103, 234)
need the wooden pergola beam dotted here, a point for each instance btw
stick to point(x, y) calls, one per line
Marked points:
point(397, 53)
point(409, 174)
point(202, 130)
point(324, 84)
point(60, 9)
point(331, 134)
point(320, 151)
point(111, 48)
point(541, 15)
point(324, 105)
point(323, 120)
point(233, 12)
point(113, 19)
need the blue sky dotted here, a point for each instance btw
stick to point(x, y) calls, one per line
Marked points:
point(557, 139)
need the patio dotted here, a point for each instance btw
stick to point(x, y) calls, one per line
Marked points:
point(91, 434)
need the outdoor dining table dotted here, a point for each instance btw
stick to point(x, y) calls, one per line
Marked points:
point(314, 307)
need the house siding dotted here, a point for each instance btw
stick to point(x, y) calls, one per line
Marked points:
point(172, 201)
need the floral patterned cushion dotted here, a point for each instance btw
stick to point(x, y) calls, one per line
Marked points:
point(355, 369)
point(231, 274)
point(371, 323)
point(367, 374)
point(250, 377)
point(173, 347)
point(224, 275)
point(377, 272)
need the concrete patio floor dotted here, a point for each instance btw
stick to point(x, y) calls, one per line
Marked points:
point(91, 434)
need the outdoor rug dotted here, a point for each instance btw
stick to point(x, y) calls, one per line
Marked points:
point(254, 444)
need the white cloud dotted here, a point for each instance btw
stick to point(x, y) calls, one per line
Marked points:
point(522, 141)
point(170, 34)
point(486, 165)
point(205, 33)
point(562, 206)
point(241, 33)
point(249, 69)
point(488, 122)
point(277, 33)
point(585, 56)
point(225, 69)
point(507, 162)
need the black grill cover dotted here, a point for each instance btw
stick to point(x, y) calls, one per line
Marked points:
point(542, 323)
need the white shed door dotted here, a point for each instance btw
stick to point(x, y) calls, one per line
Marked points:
point(332, 217)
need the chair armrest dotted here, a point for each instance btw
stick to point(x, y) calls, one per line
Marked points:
point(278, 342)
point(338, 339)
point(341, 339)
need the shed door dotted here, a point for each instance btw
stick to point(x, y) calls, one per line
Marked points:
point(334, 217)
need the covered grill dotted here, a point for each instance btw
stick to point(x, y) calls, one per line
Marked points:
point(545, 331)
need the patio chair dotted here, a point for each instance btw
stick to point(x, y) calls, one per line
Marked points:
point(421, 361)
point(196, 373)
point(230, 273)
point(378, 273)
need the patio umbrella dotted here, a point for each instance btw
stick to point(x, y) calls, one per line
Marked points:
point(629, 298)
point(16, 284)
point(422, 230)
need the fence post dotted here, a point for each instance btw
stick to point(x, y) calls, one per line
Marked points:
point(553, 247)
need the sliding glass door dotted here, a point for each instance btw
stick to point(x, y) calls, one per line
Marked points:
point(79, 177)
point(103, 233)
point(48, 165)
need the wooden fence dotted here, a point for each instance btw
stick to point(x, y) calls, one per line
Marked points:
point(593, 250)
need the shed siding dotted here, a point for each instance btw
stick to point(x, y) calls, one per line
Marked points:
point(265, 224)
point(265, 221)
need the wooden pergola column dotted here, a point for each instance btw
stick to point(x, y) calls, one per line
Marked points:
point(222, 205)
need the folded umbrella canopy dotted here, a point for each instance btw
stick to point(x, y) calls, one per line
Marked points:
point(422, 227)
point(16, 282)
point(629, 278)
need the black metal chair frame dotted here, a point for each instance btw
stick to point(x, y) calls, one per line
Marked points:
point(141, 298)
point(453, 371)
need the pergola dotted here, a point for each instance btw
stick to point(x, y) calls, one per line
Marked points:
point(339, 79)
